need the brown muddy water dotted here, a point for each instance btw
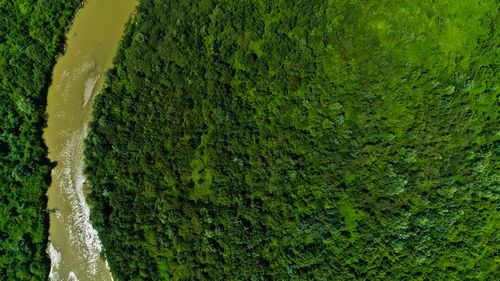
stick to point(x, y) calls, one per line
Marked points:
point(92, 41)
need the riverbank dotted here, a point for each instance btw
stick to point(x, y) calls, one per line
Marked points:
point(31, 36)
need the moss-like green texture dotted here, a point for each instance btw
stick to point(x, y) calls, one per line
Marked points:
point(31, 34)
point(301, 140)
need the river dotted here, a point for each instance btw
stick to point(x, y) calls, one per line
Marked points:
point(91, 44)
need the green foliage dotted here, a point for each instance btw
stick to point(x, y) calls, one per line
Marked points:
point(301, 140)
point(31, 34)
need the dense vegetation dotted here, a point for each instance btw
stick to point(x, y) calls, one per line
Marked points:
point(301, 140)
point(31, 34)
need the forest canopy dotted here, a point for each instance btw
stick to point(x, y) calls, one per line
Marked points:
point(31, 35)
point(300, 140)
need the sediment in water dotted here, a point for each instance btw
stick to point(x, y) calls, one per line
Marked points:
point(74, 246)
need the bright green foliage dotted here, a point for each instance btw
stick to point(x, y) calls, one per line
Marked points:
point(31, 34)
point(301, 140)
